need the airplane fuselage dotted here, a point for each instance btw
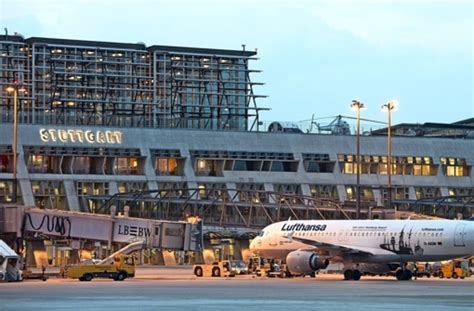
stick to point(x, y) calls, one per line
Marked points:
point(369, 241)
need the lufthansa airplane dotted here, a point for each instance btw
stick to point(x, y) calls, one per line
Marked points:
point(363, 245)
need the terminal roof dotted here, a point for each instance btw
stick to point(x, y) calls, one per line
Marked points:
point(182, 49)
point(118, 45)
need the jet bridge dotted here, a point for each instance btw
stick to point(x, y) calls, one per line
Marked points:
point(157, 234)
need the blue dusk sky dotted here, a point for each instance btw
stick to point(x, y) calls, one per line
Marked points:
point(316, 56)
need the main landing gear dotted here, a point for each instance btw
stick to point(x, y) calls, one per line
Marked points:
point(403, 274)
point(352, 274)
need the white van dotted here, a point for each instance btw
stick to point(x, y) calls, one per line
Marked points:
point(9, 264)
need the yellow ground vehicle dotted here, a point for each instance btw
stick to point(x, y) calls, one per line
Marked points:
point(454, 269)
point(122, 268)
point(216, 269)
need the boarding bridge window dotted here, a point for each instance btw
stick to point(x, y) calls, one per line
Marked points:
point(6, 192)
point(49, 194)
point(455, 167)
point(324, 191)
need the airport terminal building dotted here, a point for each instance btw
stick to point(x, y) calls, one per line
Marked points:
point(166, 131)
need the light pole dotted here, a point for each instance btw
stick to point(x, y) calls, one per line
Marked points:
point(390, 106)
point(357, 106)
point(17, 87)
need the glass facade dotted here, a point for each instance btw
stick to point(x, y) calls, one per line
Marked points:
point(74, 82)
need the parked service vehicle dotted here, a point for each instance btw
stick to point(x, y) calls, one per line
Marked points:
point(239, 267)
point(9, 264)
point(123, 267)
point(454, 269)
point(216, 269)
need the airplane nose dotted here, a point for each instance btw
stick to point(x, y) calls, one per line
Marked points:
point(254, 243)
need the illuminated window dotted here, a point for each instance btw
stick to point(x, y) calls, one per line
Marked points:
point(349, 168)
point(202, 191)
point(127, 166)
point(456, 167)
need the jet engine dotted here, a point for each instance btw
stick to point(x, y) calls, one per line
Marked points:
point(301, 262)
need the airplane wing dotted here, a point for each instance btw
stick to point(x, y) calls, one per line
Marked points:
point(340, 248)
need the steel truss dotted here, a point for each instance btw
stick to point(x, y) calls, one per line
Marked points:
point(444, 206)
point(241, 208)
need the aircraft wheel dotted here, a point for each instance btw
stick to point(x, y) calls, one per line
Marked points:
point(348, 275)
point(441, 275)
point(408, 275)
point(216, 272)
point(356, 275)
point(455, 275)
point(399, 274)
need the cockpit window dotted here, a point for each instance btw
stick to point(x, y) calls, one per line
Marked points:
point(261, 233)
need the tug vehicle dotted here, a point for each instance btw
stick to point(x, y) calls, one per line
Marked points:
point(216, 269)
point(454, 269)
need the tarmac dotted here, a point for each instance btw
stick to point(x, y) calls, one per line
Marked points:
point(175, 288)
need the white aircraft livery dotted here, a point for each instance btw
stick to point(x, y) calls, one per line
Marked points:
point(309, 245)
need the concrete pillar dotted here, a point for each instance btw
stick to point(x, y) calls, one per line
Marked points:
point(26, 192)
point(71, 196)
point(36, 254)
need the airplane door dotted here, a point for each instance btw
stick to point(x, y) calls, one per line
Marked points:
point(459, 233)
point(273, 241)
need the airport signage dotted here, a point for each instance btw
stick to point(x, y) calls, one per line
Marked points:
point(81, 136)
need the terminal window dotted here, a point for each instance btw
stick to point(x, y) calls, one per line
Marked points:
point(455, 167)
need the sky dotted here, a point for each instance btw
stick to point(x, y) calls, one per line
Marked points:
point(315, 56)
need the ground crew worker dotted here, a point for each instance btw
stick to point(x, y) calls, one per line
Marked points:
point(415, 270)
